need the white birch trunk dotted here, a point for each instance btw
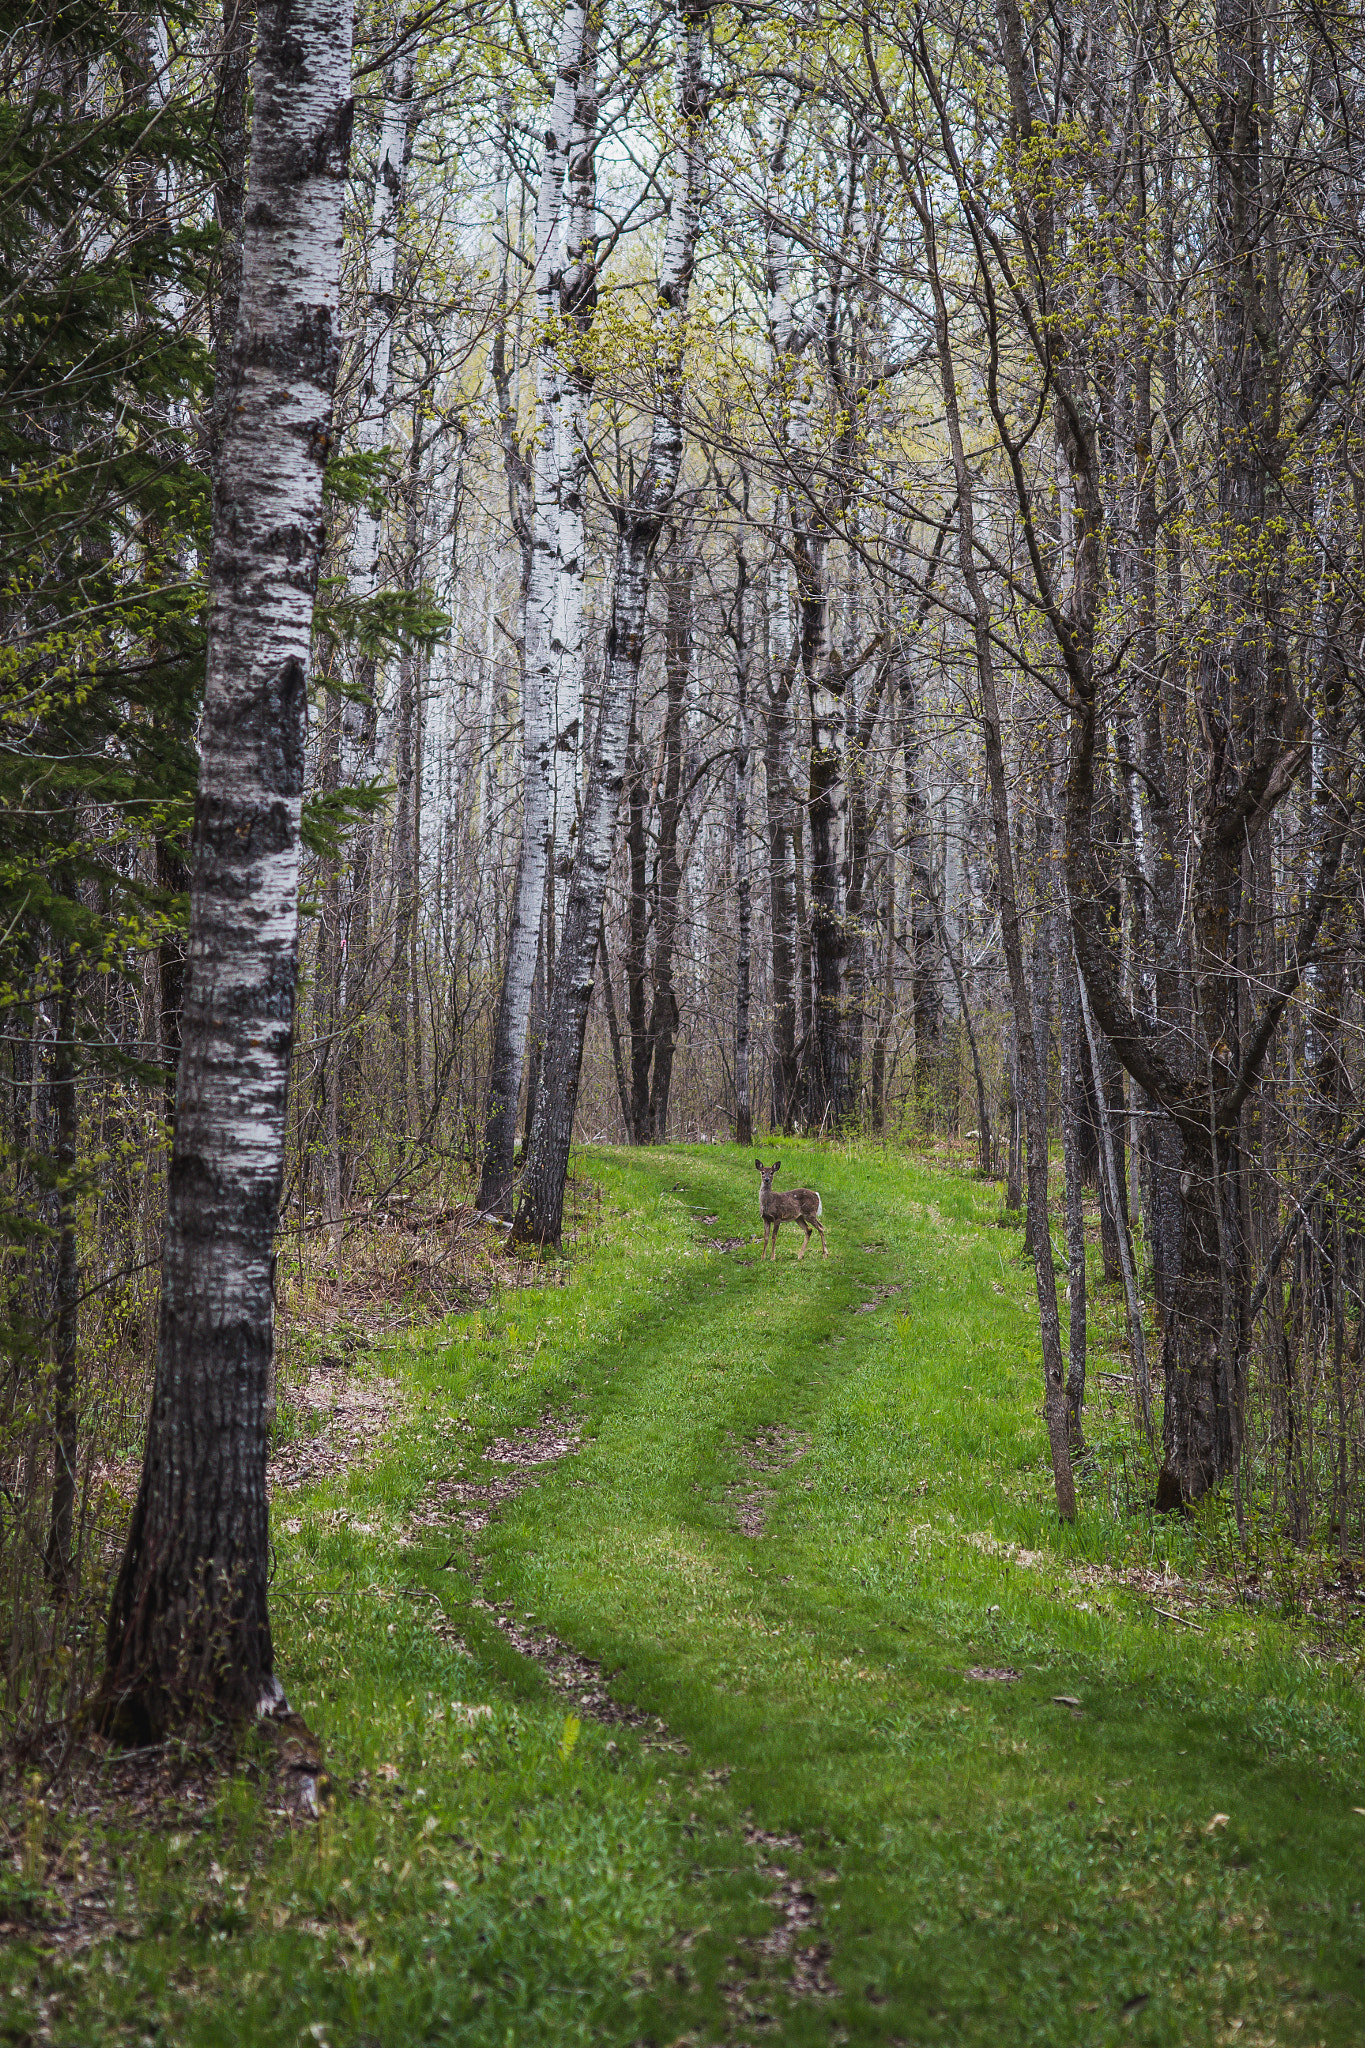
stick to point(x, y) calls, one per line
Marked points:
point(377, 388)
point(743, 891)
point(577, 305)
point(189, 1628)
point(538, 733)
point(541, 1206)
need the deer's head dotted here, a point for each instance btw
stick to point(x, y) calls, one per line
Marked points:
point(766, 1173)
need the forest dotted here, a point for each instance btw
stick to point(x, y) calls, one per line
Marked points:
point(811, 564)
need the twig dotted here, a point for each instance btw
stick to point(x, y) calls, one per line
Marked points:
point(1171, 1616)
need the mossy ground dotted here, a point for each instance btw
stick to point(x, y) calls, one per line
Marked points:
point(803, 1510)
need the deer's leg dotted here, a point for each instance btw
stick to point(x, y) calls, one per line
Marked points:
point(821, 1228)
point(804, 1242)
point(775, 1228)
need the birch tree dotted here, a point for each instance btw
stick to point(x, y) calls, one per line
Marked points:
point(639, 525)
point(189, 1627)
point(538, 675)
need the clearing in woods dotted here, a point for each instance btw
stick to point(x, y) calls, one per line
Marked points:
point(700, 1660)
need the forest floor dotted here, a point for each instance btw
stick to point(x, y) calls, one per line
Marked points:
point(698, 1659)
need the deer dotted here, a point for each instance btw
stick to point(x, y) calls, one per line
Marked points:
point(800, 1205)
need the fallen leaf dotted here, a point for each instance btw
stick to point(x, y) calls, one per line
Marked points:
point(1065, 1699)
point(1220, 1820)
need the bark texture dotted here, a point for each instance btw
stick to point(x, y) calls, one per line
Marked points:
point(639, 524)
point(189, 1628)
point(743, 884)
point(782, 857)
point(539, 674)
point(664, 1012)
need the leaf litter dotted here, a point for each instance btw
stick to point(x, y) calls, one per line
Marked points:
point(769, 1451)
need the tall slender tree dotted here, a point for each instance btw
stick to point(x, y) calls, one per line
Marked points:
point(639, 524)
point(539, 666)
point(189, 1627)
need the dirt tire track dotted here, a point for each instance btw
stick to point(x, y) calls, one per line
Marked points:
point(579, 1680)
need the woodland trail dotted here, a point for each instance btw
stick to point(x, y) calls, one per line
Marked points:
point(700, 1661)
point(1028, 1784)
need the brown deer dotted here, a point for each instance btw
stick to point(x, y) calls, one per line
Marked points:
point(801, 1205)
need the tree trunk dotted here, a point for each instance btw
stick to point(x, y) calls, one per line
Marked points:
point(377, 369)
point(189, 1627)
point(637, 935)
point(1072, 1098)
point(1204, 1076)
point(613, 1027)
point(983, 1113)
point(781, 901)
point(805, 982)
point(1040, 983)
point(1107, 1097)
point(327, 994)
point(743, 908)
point(404, 1054)
point(1014, 1136)
point(886, 1010)
point(360, 720)
point(663, 1018)
point(541, 1207)
point(538, 690)
point(535, 1035)
point(861, 881)
point(1137, 1343)
point(229, 206)
point(1054, 1389)
point(577, 309)
point(59, 1557)
point(828, 1094)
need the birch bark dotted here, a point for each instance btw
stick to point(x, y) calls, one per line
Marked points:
point(743, 886)
point(377, 385)
point(541, 1207)
point(782, 922)
point(577, 307)
point(820, 489)
point(637, 932)
point(229, 200)
point(783, 652)
point(189, 1628)
point(538, 689)
point(664, 1012)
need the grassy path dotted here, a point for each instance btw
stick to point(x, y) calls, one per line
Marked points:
point(807, 1506)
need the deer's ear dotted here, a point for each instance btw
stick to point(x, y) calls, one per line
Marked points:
point(759, 1164)
point(776, 1164)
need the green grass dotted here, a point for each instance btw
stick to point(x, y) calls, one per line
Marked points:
point(989, 1865)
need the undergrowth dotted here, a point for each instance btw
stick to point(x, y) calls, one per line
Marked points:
point(903, 1759)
